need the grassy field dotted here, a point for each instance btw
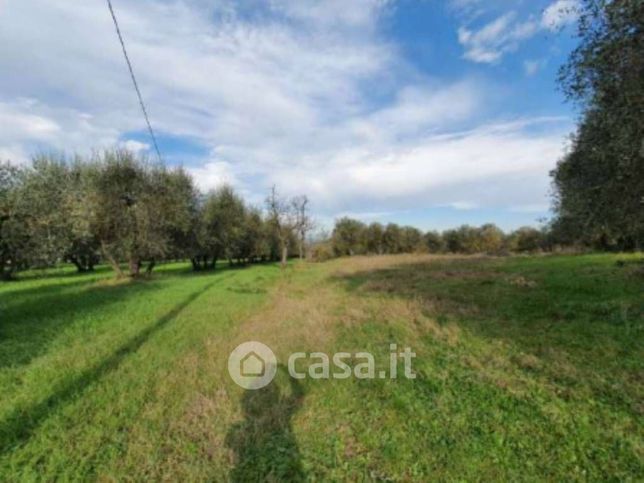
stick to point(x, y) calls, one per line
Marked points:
point(528, 368)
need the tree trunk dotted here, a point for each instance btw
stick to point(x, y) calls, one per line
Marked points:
point(135, 267)
point(116, 267)
point(113, 263)
point(150, 266)
point(284, 255)
point(79, 266)
point(195, 264)
point(88, 263)
point(6, 272)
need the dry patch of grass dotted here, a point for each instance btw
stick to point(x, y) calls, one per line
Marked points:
point(295, 315)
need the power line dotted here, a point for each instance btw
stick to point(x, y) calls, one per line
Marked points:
point(136, 85)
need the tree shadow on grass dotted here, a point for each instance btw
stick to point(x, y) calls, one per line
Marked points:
point(264, 444)
point(22, 422)
point(57, 273)
point(32, 319)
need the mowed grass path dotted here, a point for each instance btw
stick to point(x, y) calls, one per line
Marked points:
point(527, 368)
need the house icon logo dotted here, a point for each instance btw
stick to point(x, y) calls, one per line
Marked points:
point(252, 365)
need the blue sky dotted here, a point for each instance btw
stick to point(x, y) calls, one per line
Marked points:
point(421, 112)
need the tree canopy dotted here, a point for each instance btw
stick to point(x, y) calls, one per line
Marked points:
point(599, 184)
point(131, 213)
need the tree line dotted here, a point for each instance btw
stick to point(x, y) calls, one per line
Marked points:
point(353, 237)
point(123, 210)
point(120, 209)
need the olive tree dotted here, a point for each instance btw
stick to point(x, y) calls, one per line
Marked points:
point(224, 216)
point(374, 238)
point(13, 236)
point(138, 209)
point(599, 184)
point(411, 239)
point(392, 238)
point(348, 237)
point(433, 242)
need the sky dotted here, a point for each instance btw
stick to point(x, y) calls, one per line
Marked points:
point(423, 112)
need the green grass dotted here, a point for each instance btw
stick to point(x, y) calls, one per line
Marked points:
point(527, 368)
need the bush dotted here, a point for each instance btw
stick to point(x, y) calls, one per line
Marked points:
point(349, 237)
point(526, 239)
point(321, 252)
point(434, 242)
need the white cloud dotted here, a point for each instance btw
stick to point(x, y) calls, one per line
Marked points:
point(135, 146)
point(30, 126)
point(333, 12)
point(20, 122)
point(283, 98)
point(493, 40)
point(466, 9)
point(497, 165)
point(214, 174)
point(14, 153)
point(559, 14)
point(418, 106)
point(461, 205)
